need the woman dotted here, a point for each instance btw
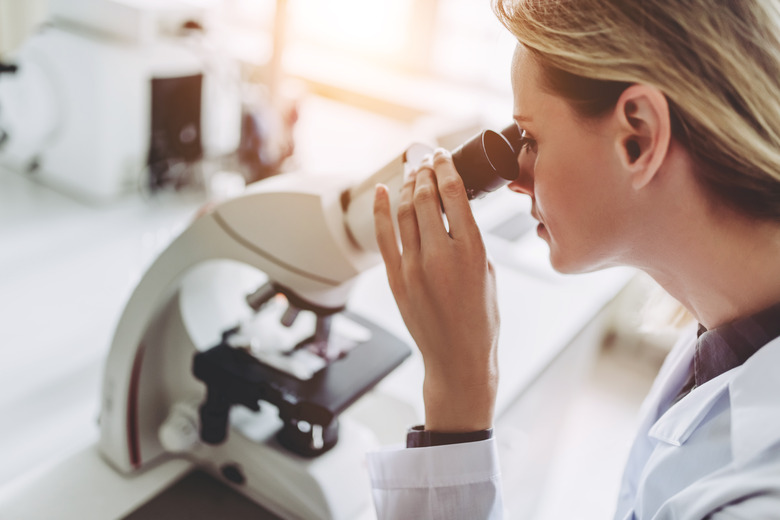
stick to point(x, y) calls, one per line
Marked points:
point(652, 139)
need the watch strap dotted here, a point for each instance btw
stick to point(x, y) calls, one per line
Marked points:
point(419, 437)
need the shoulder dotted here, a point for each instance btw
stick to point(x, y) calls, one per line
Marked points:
point(755, 408)
point(735, 492)
point(757, 506)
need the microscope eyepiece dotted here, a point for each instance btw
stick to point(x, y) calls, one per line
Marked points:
point(485, 162)
point(488, 160)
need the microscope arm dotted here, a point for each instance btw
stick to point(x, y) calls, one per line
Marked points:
point(204, 240)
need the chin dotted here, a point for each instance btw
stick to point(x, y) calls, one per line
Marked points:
point(560, 264)
point(568, 264)
point(564, 268)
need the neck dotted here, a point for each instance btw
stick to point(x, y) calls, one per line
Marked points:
point(718, 263)
point(719, 280)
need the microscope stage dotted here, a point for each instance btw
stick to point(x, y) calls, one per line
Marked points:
point(274, 344)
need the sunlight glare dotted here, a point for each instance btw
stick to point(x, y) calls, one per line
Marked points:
point(369, 27)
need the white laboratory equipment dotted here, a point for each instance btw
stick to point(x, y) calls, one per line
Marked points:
point(109, 92)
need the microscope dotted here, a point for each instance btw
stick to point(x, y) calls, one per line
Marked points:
point(256, 400)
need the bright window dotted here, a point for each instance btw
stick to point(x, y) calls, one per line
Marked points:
point(459, 41)
point(373, 29)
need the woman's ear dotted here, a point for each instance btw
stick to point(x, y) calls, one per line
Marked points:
point(644, 132)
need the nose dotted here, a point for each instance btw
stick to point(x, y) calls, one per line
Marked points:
point(524, 183)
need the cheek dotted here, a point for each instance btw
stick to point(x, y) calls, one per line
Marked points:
point(569, 185)
point(573, 193)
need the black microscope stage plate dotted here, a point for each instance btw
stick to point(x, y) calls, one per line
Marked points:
point(334, 388)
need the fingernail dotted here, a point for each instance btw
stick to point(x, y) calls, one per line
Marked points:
point(408, 169)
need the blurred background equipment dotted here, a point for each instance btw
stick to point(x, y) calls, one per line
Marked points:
point(113, 96)
point(17, 21)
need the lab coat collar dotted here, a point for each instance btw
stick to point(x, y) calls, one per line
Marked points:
point(681, 420)
point(755, 411)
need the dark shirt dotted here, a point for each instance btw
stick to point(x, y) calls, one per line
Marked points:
point(728, 346)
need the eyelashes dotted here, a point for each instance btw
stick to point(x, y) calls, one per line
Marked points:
point(527, 142)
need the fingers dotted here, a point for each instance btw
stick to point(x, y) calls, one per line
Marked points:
point(453, 195)
point(383, 227)
point(427, 206)
point(407, 217)
point(433, 186)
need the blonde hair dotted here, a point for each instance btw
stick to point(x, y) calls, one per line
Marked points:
point(717, 62)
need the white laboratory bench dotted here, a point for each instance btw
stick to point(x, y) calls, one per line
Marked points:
point(66, 270)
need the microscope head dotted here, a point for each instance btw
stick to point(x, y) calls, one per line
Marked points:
point(313, 234)
point(294, 227)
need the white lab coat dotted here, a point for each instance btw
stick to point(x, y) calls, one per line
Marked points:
point(715, 454)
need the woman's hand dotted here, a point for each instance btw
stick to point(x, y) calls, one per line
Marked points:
point(445, 289)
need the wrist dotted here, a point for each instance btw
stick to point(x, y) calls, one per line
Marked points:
point(459, 407)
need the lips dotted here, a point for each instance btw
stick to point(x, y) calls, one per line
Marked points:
point(540, 229)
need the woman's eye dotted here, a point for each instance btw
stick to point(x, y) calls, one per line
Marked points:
point(527, 142)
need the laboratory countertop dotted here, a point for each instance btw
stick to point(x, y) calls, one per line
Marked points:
point(66, 269)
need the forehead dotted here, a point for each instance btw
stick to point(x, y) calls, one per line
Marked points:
point(526, 76)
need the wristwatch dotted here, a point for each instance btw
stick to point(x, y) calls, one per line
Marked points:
point(419, 437)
